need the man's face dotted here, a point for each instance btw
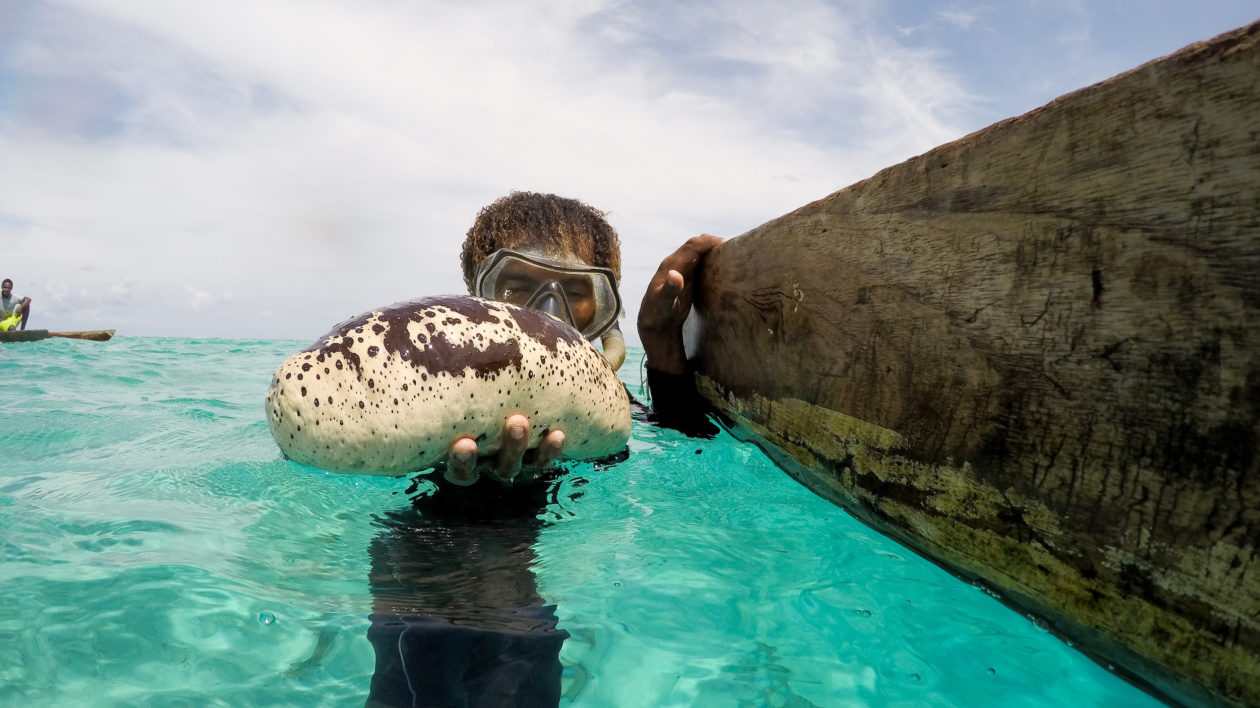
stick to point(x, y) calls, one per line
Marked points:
point(7, 288)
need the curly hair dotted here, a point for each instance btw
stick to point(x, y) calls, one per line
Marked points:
point(546, 221)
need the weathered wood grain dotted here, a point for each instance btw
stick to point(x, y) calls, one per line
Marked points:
point(1034, 355)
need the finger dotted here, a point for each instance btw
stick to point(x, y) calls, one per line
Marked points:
point(674, 283)
point(674, 272)
point(461, 462)
point(549, 448)
point(666, 283)
point(661, 298)
point(515, 442)
point(684, 260)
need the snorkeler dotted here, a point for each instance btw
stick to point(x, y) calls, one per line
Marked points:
point(457, 618)
point(561, 256)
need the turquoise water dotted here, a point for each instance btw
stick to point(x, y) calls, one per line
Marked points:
point(156, 550)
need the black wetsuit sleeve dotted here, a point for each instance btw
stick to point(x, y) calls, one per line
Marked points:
point(677, 404)
point(457, 616)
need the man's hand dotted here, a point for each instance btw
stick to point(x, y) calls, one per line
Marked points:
point(668, 301)
point(515, 461)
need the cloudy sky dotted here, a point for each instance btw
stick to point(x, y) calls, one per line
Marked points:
point(267, 168)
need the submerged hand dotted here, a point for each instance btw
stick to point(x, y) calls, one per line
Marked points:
point(667, 303)
point(514, 462)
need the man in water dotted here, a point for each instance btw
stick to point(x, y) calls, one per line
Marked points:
point(13, 310)
point(561, 256)
point(457, 618)
point(554, 254)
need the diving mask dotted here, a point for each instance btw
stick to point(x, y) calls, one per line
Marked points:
point(580, 295)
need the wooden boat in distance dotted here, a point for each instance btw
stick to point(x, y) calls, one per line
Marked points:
point(34, 335)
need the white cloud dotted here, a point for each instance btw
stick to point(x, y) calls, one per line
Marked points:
point(320, 157)
point(197, 299)
point(962, 19)
point(120, 292)
point(324, 157)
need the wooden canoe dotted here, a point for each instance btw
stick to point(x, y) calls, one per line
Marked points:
point(1033, 355)
point(34, 335)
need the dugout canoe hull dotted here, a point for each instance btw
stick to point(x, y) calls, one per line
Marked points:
point(1033, 355)
point(35, 335)
point(23, 335)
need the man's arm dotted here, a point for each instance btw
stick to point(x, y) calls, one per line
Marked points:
point(664, 309)
point(667, 303)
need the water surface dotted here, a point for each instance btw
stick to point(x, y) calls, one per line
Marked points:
point(157, 550)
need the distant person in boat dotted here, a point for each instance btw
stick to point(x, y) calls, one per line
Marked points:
point(14, 310)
